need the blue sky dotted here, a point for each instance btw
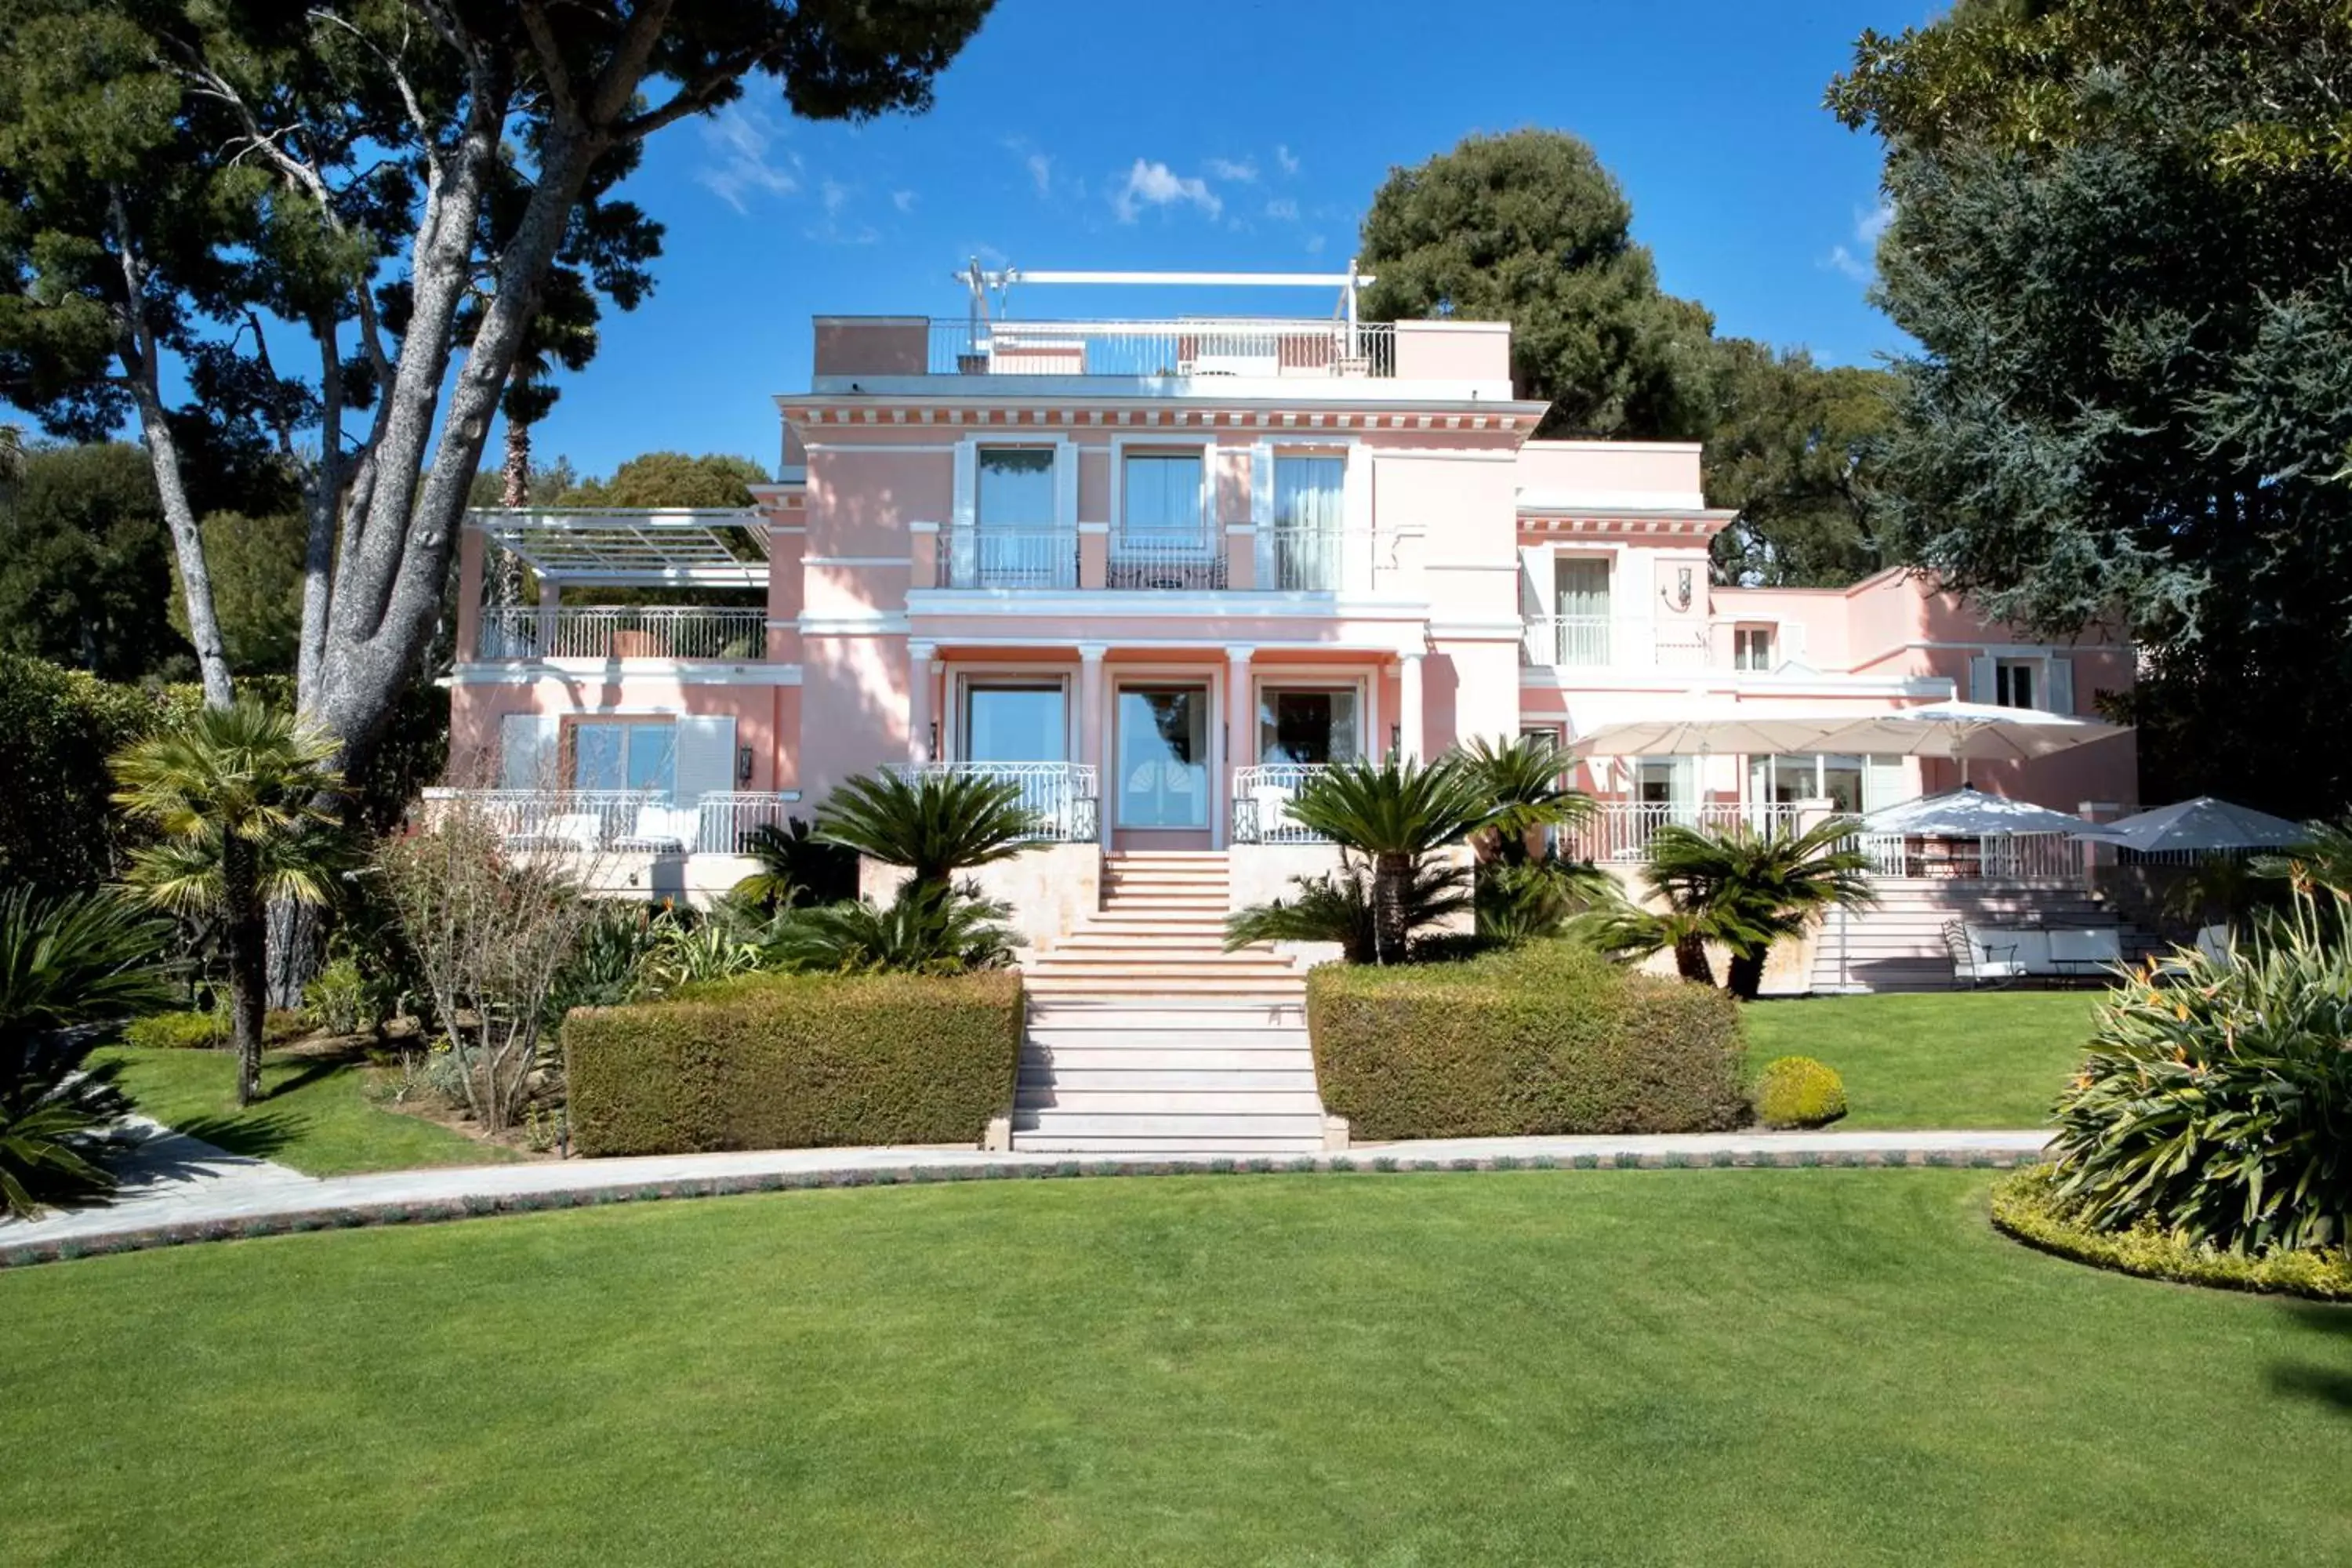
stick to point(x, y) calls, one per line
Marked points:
point(1072, 134)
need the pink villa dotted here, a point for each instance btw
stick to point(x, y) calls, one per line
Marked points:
point(1157, 572)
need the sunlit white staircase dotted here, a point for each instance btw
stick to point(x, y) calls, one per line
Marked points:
point(1145, 1035)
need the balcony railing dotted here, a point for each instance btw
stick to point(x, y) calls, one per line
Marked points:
point(1061, 797)
point(1585, 642)
point(1261, 804)
point(983, 557)
point(624, 631)
point(619, 820)
point(1995, 857)
point(1567, 641)
point(1188, 347)
point(1622, 830)
point(1299, 558)
point(1191, 562)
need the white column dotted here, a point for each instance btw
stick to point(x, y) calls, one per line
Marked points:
point(1093, 721)
point(921, 672)
point(1408, 705)
point(1241, 709)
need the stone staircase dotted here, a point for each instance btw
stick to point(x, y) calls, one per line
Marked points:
point(1899, 944)
point(1145, 1035)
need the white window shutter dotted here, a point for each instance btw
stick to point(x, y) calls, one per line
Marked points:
point(1982, 685)
point(2061, 686)
point(1792, 643)
point(967, 481)
point(1066, 486)
point(706, 757)
point(1885, 781)
point(530, 750)
point(1262, 509)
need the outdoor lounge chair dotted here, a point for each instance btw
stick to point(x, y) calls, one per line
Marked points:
point(1976, 964)
point(2214, 941)
point(661, 831)
point(2085, 954)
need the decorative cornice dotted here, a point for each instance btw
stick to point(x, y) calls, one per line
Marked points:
point(1512, 420)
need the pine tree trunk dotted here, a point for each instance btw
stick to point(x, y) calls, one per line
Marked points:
point(245, 935)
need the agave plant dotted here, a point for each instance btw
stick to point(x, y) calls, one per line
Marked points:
point(65, 964)
point(1395, 813)
point(239, 794)
point(1521, 779)
point(1339, 907)
point(2216, 1100)
point(934, 824)
point(924, 930)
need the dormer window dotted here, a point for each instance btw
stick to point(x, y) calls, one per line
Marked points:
point(1752, 648)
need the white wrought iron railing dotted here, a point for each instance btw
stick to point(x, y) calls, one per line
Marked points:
point(1299, 557)
point(622, 631)
point(1061, 797)
point(618, 821)
point(978, 557)
point(1567, 641)
point(1995, 857)
point(1261, 804)
point(1188, 561)
point(1622, 830)
point(1219, 347)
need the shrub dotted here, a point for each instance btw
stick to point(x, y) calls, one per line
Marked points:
point(337, 999)
point(188, 1031)
point(788, 1061)
point(2026, 1205)
point(2216, 1102)
point(924, 930)
point(1542, 1038)
point(1797, 1091)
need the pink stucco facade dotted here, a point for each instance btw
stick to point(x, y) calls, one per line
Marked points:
point(1158, 576)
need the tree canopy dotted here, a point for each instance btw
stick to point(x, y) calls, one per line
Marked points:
point(2121, 237)
point(1528, 227)
point(672, 479)
point(1793, 452)
point(85, 572)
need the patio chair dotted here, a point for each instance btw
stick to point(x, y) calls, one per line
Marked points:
point(2214, 941)
point(661, 830)
point(1977, 963)
point(2084, 953)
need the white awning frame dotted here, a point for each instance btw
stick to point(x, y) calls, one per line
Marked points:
point(631, 547)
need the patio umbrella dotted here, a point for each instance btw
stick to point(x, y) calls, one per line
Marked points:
point(2200, 825)
point(1966, 813)
point(1964, 731)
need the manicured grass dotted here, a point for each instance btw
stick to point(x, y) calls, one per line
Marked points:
point(1799, 1366)
point(314, 1115)
point(1965, 1059)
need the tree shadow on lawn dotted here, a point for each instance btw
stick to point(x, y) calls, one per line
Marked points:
point(255, 1134)
point(2309, 1380)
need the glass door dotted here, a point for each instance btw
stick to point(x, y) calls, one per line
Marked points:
point(1312, 727)
point(1163, 757)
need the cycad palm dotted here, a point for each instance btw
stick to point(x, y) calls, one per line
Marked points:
point(1392, 813)
point(934, 824)
point(239, 794)
point(1524, 794)
point(1757, 887)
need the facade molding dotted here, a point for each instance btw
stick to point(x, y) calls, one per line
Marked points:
point(1217, 604)
point(607, 672)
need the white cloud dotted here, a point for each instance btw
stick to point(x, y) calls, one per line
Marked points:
point(1041, 172)
point(1859, 261)
point(836, 195)
point(1243, 173)
point(1282, 209)
point(741, 138)
point(1155, 184)
point(1869, 226)
point(1314, 244)
point(1285, 159)
point(903, 200)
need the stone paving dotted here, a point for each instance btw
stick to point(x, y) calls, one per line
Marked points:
point(179, 1189)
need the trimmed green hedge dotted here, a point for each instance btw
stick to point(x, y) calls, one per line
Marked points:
point(796, 1061)
point(2024, 1206)
point(1544, 1038)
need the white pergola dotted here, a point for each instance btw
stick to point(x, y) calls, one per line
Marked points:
point(702, 547)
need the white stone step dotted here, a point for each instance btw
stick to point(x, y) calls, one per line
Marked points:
point(1063, 1077)
point(1181, 987)
point(1192, 1015)
point(1236, 1148)
point(1086, 1046)
point(1158, 1104)
point(1151, 970)
point(1201, 1125)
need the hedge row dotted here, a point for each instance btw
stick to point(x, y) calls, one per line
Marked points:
point(2026, 1205)
point(1546, 1038)
point(775, 1062)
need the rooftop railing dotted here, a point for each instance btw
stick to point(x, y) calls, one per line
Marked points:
point(622, 631)
point(1211, 347)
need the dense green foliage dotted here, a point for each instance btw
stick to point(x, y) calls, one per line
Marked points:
point(1787, 1368)
point(934, 824)
point(924, 930)
point(2028, 1206)
point(671, 479)
point(1792, 449)
point(57, 827)
point(66, 964)
point(1397, 814)
point(1525, 782)
point(85, 569)
point(1528, 227)
point(2216, 1099)
point(1338, 905)
point(1797, 1091)
point(256, 563)
point(1543, 1038)
point(797, 868)
point(774, 1061)
point(2123, 239)
point(188, 1030)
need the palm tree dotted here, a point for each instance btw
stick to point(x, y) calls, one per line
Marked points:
point(1625, 930)
point(1338, 907)
point(241, 795)
point(1748, 890)
point(1393, 813)
point(796, 868)
point(84, 958)
point(935, 824)
point(924, 929)
point(1525, 795)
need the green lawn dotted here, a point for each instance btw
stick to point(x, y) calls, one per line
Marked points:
point(1954, 1059)
point(1614, 1367)
point(314, 1115)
